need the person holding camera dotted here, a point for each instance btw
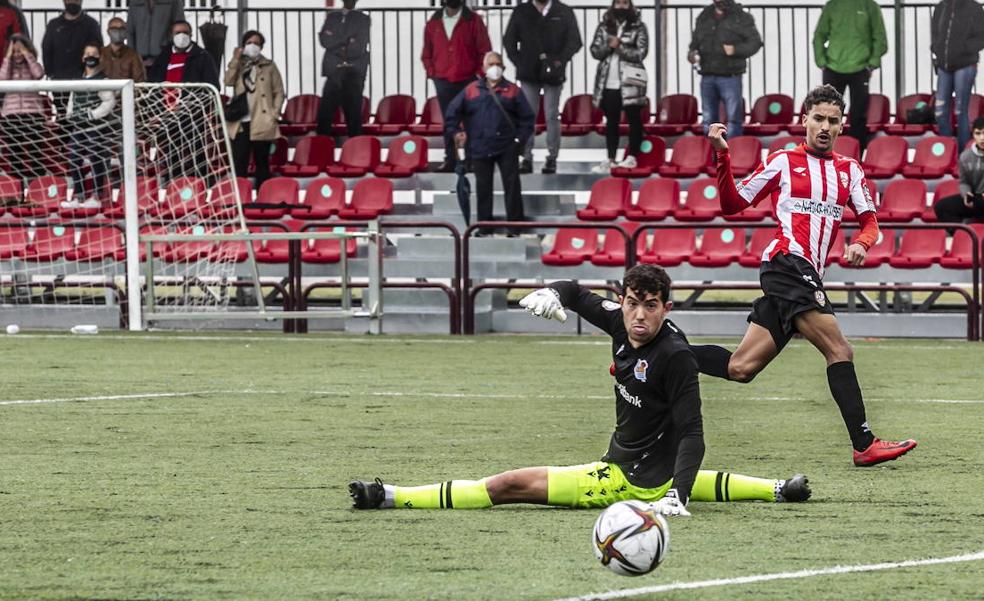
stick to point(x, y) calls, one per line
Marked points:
point(491, 119)
point(541, 39)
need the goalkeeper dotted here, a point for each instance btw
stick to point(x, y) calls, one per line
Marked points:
point(658, 444)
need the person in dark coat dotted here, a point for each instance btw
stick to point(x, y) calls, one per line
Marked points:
point(64, 40)
point(183, 61)
point(493, 121)
point(956, 40)
point(345, 38)
point(540, 40)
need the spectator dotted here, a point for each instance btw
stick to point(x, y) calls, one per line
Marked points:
point(88, 118)
point(621, 42)
point(455, 43)
point(11, 21)
point(64, 40)
point(184, 61)
point(148, 25)
point(255, 75)
point(118, 60)
point(969, 204)
point(493, 121)
point(848, 44)
point(23, 113)
point(724, 37)
point(956, 39)
point(540, 40)
point(345, 38)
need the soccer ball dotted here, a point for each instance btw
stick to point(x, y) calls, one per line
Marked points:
point(630, 538)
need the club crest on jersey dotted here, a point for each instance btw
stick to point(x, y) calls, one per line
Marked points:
point(844, 179)
point(641, 367)
point(608, 305)
point(821, 299)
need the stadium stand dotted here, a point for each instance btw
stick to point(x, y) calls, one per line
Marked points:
point(579, 115)
point(690, 156)
point(300, 116)
point(371, 198)
point(572, 247)
point(431, 122)
point(771, 114)
point(675, 115)
point(652, 153)
point(609, 199)
point(312, 155)
point(702, 203)
point(360, 155)
point(659, 198)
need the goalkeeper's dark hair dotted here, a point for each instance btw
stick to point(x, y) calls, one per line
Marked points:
point(825, 93)
point(648, 279)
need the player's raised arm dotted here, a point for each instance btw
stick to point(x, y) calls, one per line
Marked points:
point(754, 188)
point(549, 302)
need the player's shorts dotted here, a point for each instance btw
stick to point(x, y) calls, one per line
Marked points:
point(791, 286)
point(597, 484)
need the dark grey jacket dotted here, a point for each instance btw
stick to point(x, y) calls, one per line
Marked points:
point(633, 50)
point(148, 32)
point(530, 34)
point(63, 42)
point(345, 38)
point(971, 172)
point(736, 28)
point(957, 34)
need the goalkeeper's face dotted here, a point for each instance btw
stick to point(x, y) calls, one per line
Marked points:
point(643, 315)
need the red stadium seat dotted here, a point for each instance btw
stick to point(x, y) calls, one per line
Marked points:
point(903, 200)
point(49, 244)
point(885, 157)
point(11, 191)
point(719, 247)
point(878, 255)
point(900, 126)
point(272, 251)
point(746, 155)
point(919, 249)
point(13, 241)
point(612, 251)
point(405, 156)
point(609, 199)
point(579, 115)
point(394, 114)
point(703, 201)
point(184, 195)
point(370, 198)
point(935, 157)
point(675, 115)
point(760, 239)
point(797, 128)
point(148, 197)
point(312, 155)
point(44, 194)
point(338, 126)
point(691, 154)
point(323, 197)
point(947, 187)
point(222, 197)
point(652, 153)
point(189, 251)
point(323, 251)
point(771, 114)
point(671, 247)
point(659, 197)
point(360, 155)
point(836, 249)
point(785, 143)
point(275, 191)
point(300, 115)
point(571, 247)
point(848, 146)
point(961, 255)
point(96, 244)
point(879, 112)
point(431, 121)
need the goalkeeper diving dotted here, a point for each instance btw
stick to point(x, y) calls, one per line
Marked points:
point(656, 450)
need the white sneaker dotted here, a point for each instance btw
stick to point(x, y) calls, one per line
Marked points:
point(69, 204)
point(91, 203)
point(602, 167)
point(628, 162)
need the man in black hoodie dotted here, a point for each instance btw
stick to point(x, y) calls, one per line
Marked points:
point(956, 40)
point(540, 40)
point(61, 48)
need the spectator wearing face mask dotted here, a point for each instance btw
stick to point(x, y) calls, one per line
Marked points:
point(148, 25)
point(120, 61)
point(184, 61)
point(89, 117)
point(253, 74)
point(345, 38)
point(22, 123)
point(64, 40)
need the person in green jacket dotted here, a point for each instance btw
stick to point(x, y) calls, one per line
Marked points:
point(848, 44)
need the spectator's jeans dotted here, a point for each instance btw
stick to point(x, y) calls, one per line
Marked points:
point(342, 88)
point(611, 104)
point(446, 91)
point(551, 104)
point(717, 88)
point(243, 147)
point(858, 107)
point(93, 144)
point(508, 163)
point(960, 82)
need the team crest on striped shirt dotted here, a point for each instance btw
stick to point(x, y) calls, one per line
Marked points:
point(844, 179)
point(821, 299)
point(641, 367)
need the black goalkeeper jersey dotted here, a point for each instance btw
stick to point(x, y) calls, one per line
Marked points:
point(658, 428)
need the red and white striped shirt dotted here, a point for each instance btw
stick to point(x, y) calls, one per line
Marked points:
point(810, 192)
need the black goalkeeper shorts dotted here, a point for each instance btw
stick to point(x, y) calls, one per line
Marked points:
point(791, 286)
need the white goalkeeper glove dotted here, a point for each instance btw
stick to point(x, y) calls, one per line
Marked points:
point(670, 504)
point(544, 303)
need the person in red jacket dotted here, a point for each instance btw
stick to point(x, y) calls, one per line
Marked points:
point(455, 43)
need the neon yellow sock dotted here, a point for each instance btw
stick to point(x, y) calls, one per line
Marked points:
point(722, 486)
point(453, 494)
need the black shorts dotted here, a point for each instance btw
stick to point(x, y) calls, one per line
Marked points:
point(791, 286)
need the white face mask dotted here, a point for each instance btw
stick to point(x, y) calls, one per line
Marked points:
point(251, 50)
point(494, 73)
point(182, 41)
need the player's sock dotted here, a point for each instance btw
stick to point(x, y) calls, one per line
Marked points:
point(453, 494)
point(712, 359)
point(843, 381)
point(722, 486)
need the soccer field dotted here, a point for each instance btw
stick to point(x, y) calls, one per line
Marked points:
point(212, 467)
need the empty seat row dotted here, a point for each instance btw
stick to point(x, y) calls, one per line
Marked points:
point(360, 155)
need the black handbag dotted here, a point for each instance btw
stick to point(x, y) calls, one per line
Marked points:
point(923, 115)
point(551, 73)
point(236, 108)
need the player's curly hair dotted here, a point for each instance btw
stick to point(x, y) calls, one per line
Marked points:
point(825, 93)
point(648, 279)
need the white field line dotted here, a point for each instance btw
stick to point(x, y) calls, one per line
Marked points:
point(271, 338)
point(128, 397)
point(835, 570)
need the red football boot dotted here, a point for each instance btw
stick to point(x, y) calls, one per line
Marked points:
point(881, 451)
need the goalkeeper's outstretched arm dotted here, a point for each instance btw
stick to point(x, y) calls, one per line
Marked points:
point(551, 301)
